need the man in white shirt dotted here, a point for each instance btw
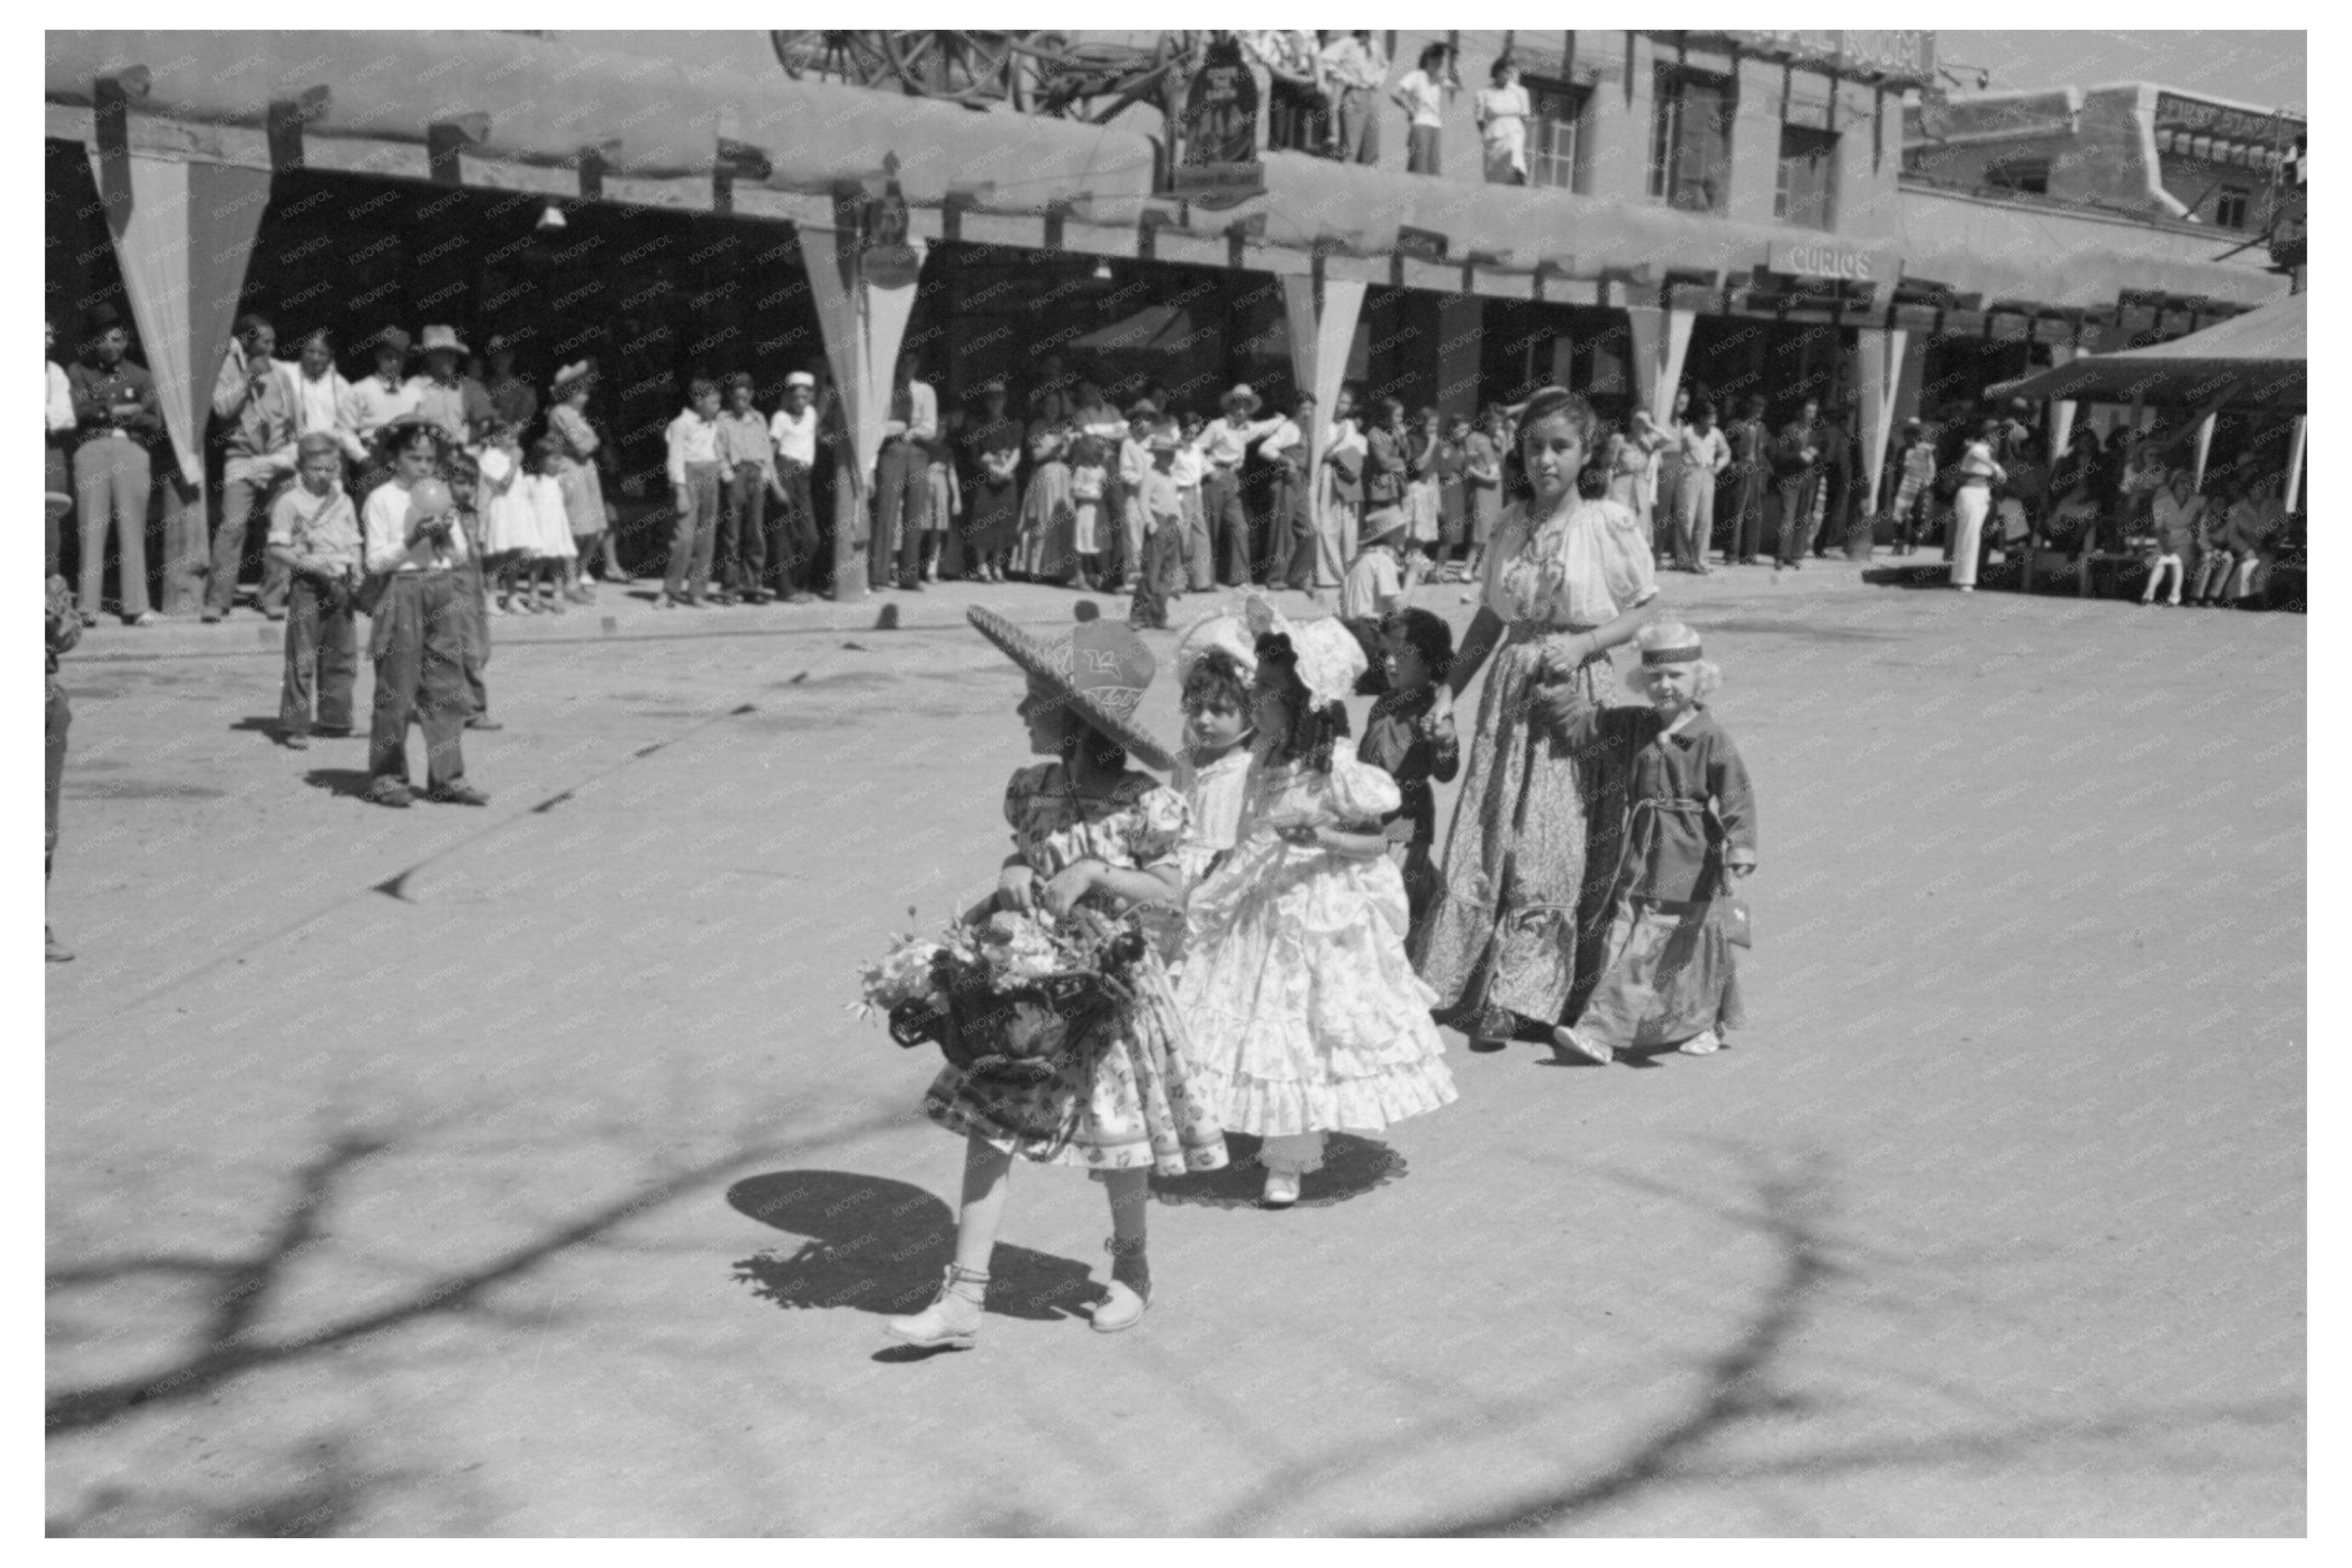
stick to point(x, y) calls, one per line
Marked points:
point(1355, 68)
point(694, 479)
point(1289, 519)
point(1135, 467)
point(793, 429)
point(253, 399)
point(1223, 444)
point(322, 398)
point(1339, 499)
point(379, 399)
point(1700, 454)
point(420, 624)
point(902, 481)
point(57, 480)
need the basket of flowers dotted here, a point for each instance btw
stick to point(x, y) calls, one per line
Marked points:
point(1014, 997)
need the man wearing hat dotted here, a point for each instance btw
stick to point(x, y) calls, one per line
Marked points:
point(256, 402)
point(379, 399)
point(1377, 580)
point(314, 541)
point(446, 395)
point(1223, 444)
point(115, 417)
point(792, 527)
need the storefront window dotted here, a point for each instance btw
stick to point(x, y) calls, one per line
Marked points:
point(1805, 191)
point(1690, 141)
point(2029, 174)
point(1557, 113)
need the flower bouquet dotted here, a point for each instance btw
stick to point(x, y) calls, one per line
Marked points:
point(1012, 997)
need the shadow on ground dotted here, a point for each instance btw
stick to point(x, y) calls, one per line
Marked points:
point(1352, 1166)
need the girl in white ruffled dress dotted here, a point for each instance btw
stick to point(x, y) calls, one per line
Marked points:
point(1304, 1014)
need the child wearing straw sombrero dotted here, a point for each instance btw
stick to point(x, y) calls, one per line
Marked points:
point(1087, 830)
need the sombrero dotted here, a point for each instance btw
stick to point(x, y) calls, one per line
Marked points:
point(1221, 633)
point(1099, 667)
point(1328, 659)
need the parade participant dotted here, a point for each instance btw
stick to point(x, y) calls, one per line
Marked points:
point(792, 538)
point(57, 477)
point(377, 401)
point(1224, 445)
point(1088, 830)
point(1162, 577)
point(314, 538)
point(1411, 737)
point(1978, 473)
point(463, 474)
point(1668, 975)
point(1567, 580)
point(254, 399)
point(1216, 660)
point(746, 466)
point(583, 489)
point(694, 479)
point(446, 395)
point(1043, 556)
point(64, 631)
point(116, 414)
point(418, 639)
point(1304, 1015)
point(1379, 580)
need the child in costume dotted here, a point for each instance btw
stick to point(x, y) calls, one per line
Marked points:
point(1305, 1016)
point(1411, 737)
point(1668, 977)
point(1217, 665)
point(1086, 829)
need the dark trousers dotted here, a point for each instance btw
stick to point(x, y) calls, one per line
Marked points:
point(322, 656)
point(698, 530)
point(1290, 531)
point(1747, 514)
point(418, 646)
point(1229, 528)
point(59, 501)
point(241, 499)
point(902, 505)
point(792, 536)
point(740, 555)
point(473, 644)
point(1162, 574)
point(1796, 517)
point(60, 719)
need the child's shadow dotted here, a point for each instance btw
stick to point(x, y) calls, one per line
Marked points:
point(875, 1245)
point(345, 783)
point(1352, 1166)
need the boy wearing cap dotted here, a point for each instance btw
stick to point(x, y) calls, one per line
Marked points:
point(314, 538)
point(792, 541)
point(1163, 506)
point(746, 466)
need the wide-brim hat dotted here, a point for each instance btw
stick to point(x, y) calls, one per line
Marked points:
point(1222, 633)
point(1386, 523)
point(1241, 397)
point(1099, 667)
point(1328, 659)
point(581, 371)
point(443, 339)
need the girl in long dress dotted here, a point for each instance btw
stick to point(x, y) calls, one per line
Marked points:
point(1305, 1016)
point(1048, 518)
point(1506, 945)
point(1086, 829)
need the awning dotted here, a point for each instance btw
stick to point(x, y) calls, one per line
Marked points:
point(2253, 360)
point(1154, 330)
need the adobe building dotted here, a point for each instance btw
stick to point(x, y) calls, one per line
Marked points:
point(1730, 211)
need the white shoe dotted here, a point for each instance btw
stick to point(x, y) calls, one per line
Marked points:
point(1566, 1044)
point(951, 1321)
point(1705, 1043)
point(1281, 1189)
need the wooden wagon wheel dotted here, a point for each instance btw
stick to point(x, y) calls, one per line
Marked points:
point(854, 58)
point(966, 67)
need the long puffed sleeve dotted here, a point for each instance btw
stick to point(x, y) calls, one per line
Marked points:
point(1360, 794)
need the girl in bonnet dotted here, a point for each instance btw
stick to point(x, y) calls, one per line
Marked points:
point(1304, 1014)
point(1086, 829)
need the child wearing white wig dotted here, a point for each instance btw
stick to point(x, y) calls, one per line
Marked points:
point(1668, 977)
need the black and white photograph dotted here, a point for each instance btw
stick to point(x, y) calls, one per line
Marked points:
point(1179, 784)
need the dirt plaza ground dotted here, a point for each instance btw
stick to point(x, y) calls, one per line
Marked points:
point(523, 1172)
